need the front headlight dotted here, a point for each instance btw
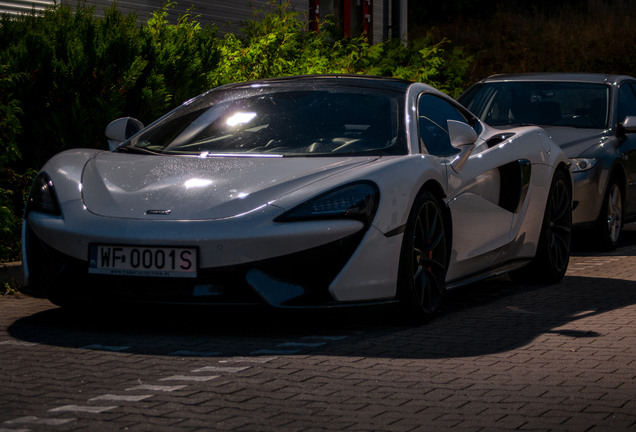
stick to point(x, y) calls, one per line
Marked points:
point(581, 164)
point(356, 201)
point(42, 196)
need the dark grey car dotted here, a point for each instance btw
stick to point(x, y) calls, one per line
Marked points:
point(592, 117)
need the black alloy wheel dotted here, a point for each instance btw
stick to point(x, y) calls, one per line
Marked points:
point(559, 214)
point(423, 261)
point(553, 251)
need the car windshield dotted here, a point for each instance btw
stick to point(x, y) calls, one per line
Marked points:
point(278, 121)
point(571, 104)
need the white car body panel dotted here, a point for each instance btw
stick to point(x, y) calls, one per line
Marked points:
point(378, 260)
point(196, 188)
point(493, 226)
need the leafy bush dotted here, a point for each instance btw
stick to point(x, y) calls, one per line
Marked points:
point(281, 44)
point(10, 128)
point(178, 57)
point(14, 189)
point(8, 224)
point(7, 289)
point(83, 72)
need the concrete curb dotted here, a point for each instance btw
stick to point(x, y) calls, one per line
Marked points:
point(11, 273)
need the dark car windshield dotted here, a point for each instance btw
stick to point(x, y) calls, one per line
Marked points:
point(281, 121)
point(571, 104)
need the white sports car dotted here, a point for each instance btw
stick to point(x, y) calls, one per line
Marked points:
point(311, 191)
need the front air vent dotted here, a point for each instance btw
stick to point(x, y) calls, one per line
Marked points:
point(515, 180)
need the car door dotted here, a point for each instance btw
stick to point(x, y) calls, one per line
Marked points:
point(627, 107)
point(481, 226)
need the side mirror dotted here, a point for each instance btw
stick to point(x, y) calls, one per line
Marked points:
point(629, 124)
point(461, 136)
point(120, 130)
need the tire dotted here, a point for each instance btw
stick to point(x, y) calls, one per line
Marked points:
point(608, 227)
point(553, 251)
point(423, 260)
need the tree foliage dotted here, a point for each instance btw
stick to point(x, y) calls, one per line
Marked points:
point(280, 44)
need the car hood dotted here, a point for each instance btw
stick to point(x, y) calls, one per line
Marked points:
point(575, 141)
point(186, 188)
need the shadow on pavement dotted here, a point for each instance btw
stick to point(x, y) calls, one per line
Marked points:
point(484, 318)
point(583, 246)
point(478, 320)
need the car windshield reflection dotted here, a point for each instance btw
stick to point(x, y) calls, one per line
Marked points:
point(281, 121)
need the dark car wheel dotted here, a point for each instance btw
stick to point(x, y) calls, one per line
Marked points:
point(553, 252)
point(609, 225)
point(423, 260)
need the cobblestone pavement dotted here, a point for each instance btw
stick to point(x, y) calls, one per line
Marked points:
point(498, 357)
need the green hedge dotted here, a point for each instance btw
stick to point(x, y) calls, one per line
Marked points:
point(65, 74)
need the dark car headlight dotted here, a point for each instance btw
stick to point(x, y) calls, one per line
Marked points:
point(581, 164)
point(42, 197)
point(352, 201)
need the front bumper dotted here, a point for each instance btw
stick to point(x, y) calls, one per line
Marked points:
point(301, 279)
point(241, 261)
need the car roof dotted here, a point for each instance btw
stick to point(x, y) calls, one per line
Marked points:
point(339, 79)
point(556, 76)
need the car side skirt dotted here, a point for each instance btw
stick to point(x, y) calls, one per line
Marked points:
point(489, 273)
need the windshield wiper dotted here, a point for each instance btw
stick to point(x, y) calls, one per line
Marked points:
point(136, 150)
point(206, 154)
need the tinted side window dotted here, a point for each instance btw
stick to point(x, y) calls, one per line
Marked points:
point(433, 114)
point(626, 102)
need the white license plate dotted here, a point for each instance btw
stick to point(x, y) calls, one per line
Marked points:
point(143, 261)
